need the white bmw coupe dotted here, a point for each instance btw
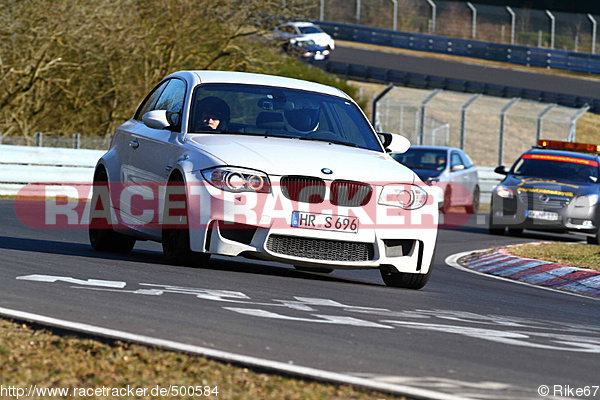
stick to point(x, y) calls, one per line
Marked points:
point(279, 169)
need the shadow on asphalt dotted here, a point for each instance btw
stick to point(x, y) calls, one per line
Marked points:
point(152, 257)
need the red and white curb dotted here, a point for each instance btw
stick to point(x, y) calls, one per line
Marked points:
point(500, 263)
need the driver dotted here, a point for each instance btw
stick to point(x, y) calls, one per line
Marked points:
point(304, 117)
point(214, 114)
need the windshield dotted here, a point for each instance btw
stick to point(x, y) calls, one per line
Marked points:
point(305, 30)
point(279, 112)
point(414, 158)
point(557, 167)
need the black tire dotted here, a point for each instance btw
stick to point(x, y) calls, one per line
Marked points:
point(176, 240)
point(102, 237)
point(515, 231)
point(594, 240)
point(447, 204)
point(321, 270)
point(474, 207)
point(407, 280)
point(495, 229)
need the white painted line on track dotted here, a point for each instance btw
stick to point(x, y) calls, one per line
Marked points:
point(296, 370)
point(452, 260)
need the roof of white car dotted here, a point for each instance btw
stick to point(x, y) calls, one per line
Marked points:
point(300, 23)
point(265, 80)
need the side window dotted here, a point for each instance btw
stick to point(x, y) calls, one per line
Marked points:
point(455, 160)
point(171, 98)
point(148, 104)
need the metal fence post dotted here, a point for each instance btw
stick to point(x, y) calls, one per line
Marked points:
point(574, 119)
point(433, 15)
point(538, 134)
point(513, 18)
point(76, 140)
point(463, 119)
point(423, 109)
point(552, 28)
point(502, 126)
point(395, 14)
point(38, 139)
point(593, 33)
point(357, 12)
point(322, 11)
point(474, 23)
point(0, 137)
point(376, 99)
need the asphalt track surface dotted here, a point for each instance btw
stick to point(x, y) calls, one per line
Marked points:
point(464, 334)
point(587, 88)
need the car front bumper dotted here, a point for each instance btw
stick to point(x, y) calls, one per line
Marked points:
point(515, 214)
point(260, 226)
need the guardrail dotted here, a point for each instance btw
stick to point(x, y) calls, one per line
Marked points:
point(423, 81)
point(516, 54)
point(21, 165)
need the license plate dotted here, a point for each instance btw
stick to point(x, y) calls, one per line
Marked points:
point(545, 215)
point(324, 222)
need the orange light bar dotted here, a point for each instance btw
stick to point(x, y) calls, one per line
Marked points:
point(556, 144)
point(549, 157)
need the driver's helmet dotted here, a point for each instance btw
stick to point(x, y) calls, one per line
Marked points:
point(303, 116)
point(215, 106)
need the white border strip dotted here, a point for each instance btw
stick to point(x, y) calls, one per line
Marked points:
point(296, 370)
point(452, 260)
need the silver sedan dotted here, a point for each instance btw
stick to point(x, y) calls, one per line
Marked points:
point(449, 168)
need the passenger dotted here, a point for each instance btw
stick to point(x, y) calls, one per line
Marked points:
point(441, 163)
point(214, 114)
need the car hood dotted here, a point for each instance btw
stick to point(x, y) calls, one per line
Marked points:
point(283, 156)
point(549, 186)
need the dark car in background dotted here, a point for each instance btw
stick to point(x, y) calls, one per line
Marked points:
point(450, 168)
point(551, 187)
point(306, 49)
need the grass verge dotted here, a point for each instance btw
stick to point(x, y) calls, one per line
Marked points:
point(32, 355)
point(574, 255)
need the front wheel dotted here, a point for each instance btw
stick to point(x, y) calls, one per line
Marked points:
point(474, 207)
point(176, 233)
point(407, 280)
point(595, 240)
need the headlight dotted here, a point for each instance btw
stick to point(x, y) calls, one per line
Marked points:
point(408, 197)
point(234, 179)
point(504, 192)
point(587, 201)
point(325, 52)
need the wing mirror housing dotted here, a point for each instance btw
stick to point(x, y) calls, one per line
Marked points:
point(458, 168)
point(501, 170)
point(393, 142)
point(161, 119)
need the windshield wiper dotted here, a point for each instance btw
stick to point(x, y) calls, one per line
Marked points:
point(334, 141)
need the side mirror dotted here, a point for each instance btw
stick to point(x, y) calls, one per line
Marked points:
point(394, 143)
point(501, 170)
point(458, 168)
point(161, 119)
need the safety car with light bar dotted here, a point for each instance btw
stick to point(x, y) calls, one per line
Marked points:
point(554, 186)
point(265, 167)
